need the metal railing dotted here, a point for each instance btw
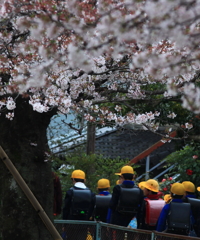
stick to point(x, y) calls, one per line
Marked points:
point(151, 169)
point(91, 230)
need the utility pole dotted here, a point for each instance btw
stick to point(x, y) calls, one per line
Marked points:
point(91, 130)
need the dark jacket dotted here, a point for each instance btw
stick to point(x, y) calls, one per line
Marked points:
point(67, 214)
point(57, 200)
point(185, 199)
point(118, 218)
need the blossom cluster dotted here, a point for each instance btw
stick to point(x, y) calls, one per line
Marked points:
point(81, 55)
point(166, 184)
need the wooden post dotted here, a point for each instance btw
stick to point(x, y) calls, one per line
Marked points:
point(49, 225)
point(91, 128)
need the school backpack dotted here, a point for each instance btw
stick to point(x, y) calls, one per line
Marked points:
point(129, 200)
point(195, 207)
point(153, 209)
point(101, 207)
point(179, 216)
point(81, 202)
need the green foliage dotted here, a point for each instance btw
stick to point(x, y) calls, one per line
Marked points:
point(187, 164)
point(154, 87)
point(182, 114)
point(95, 167)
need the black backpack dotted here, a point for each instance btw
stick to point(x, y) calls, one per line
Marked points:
point(101, 207)
point(195, 207)
point(129, 200)
point(179, 217)
point(81, 202)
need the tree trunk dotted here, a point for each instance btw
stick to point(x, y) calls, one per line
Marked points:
point(25, 142)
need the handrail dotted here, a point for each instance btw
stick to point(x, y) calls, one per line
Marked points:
point(140, 233)
point(151, 169)
point(149, 150)
point(38, 208)
point(166, 170)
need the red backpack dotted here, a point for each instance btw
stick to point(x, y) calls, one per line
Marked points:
point(153, 209)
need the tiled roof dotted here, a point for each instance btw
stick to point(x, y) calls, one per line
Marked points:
point(127, 144)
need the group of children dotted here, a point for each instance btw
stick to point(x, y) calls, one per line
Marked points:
point(177, 212)
point(180, 213)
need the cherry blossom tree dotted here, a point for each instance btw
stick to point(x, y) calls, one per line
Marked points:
point(111, 61)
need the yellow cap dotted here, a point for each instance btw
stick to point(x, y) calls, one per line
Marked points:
point(78, 174)
point(198, 189)
point(178, 189)
point(103, 183)
point(167, 198)
point(126, 169)
point(141, 185)
point(189, 186)
point(89, 236)
point(151, 185)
